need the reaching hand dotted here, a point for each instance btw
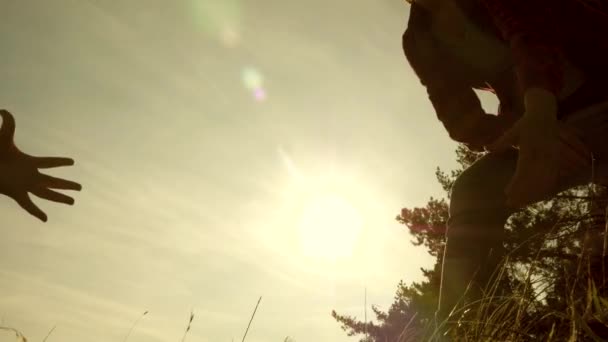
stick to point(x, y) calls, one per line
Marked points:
point(547, 150)
point(537, 165)
point(19, 173)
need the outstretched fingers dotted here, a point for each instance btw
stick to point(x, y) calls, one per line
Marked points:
point(50, 162)
point(58, 183)
point(26, 203)
point(535, 175)
point(54, 196)
point(7, 131)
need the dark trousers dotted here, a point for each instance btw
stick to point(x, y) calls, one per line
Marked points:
point(478, 211)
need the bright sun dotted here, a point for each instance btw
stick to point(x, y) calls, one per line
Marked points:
point(329, 227)
point(327, 223)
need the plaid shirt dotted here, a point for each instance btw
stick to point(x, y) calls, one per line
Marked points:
point(538, 48)
point(450, 85)
point(543, 33)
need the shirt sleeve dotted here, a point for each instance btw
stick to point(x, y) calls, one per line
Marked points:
point(529, 28)
point(456, 104)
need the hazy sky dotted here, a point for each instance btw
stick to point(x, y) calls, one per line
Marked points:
point(228, 150)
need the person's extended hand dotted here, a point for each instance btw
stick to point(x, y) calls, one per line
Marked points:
point(537, 165)
point(547, 149)
point(19, 173)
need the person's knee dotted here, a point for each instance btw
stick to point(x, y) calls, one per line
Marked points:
point(477, 198)
point(474, 193)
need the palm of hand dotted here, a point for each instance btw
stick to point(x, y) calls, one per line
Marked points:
point(548, 150)
point(537, 169)
point(19, 174)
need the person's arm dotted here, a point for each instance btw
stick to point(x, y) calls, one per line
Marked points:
point(528, 28)
point(456, 104)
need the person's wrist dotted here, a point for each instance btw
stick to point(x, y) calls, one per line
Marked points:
point(540, 102)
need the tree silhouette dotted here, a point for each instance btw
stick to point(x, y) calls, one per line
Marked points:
point(555, 256)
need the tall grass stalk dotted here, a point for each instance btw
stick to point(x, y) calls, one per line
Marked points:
point(251, 320)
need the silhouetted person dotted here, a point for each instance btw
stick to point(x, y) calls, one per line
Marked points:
point(455, 46)
point(19, 174)
point(543, 36)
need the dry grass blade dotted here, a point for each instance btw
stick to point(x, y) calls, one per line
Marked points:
point(251, 320)
point(402, 336)
point(189, 325)
point(18, 334)
point(130, 330)
point(49, 333)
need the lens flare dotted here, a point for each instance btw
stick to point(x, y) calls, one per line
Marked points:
point(230, 37)
point(259, 94)
point(219, 18)
point(253, 81)
point(252, 78)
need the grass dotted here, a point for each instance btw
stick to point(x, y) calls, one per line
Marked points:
point(491, 318)
point(21, 338)
point(132, 327)
point(17, 333)
point(504, 319)
point(512, 318)
point(251, 320)
point(518, 317)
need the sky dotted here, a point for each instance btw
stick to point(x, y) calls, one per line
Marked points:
point(228, 150)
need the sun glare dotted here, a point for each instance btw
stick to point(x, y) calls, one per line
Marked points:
point(329, 227)
point(323, 206)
